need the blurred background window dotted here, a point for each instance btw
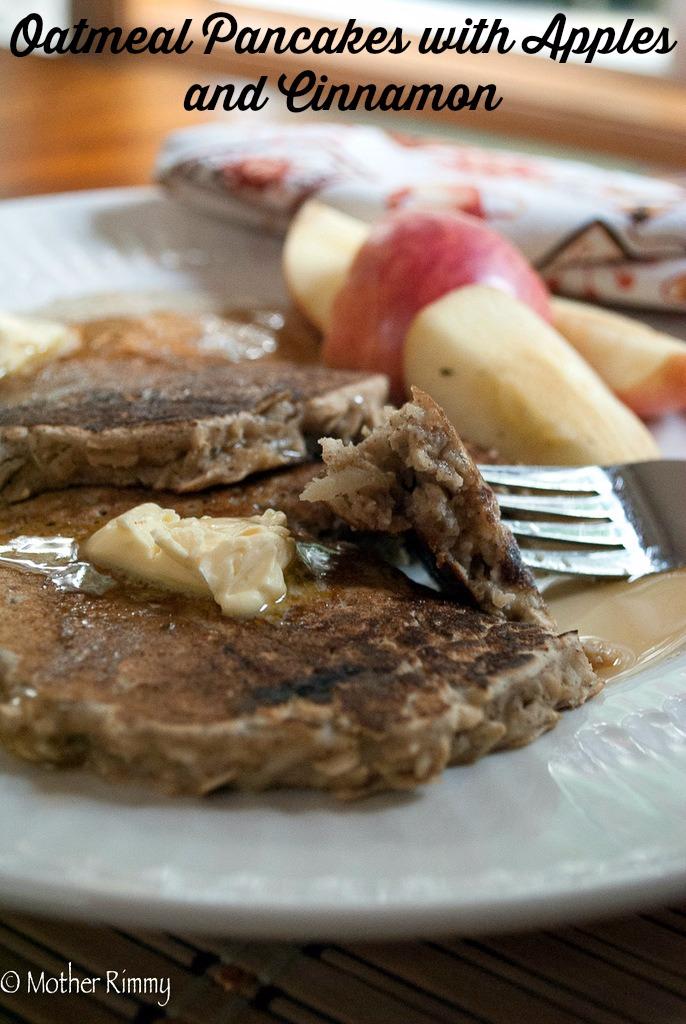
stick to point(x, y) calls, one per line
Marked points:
point(55, 12)
point(626, 106)
point(524, 17)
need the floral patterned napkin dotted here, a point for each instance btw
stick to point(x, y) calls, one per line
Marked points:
point(604, 235)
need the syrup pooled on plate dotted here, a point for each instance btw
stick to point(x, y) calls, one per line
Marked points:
point(232, 335)
point(641, 620)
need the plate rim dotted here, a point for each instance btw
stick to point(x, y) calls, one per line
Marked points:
point(262, 921)
point(255, 919)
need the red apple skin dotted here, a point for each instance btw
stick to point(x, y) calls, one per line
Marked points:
point(410, 259)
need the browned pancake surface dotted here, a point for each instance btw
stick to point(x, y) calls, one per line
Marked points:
point(360, 681)
point(102, 392)
point(127, 421)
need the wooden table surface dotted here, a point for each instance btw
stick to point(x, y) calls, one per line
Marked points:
point(613, 972)
point(89, 122)
point(86, 124)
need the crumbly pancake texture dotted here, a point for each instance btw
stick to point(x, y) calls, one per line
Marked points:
point(361, 681)
point(414, 473)
point(129, 421)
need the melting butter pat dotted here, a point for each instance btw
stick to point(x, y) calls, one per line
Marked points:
point(240, 562)
point(25, 342)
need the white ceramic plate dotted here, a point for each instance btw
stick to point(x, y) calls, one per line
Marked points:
point(589, 819)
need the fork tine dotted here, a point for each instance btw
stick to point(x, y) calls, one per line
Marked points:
point(643, 531)
point(617, 563)
point(600, 534)
point(549, 478)
point(594, 507)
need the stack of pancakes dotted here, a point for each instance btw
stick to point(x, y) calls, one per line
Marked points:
point(361, 680)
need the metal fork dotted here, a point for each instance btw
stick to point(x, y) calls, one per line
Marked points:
point(621, 521)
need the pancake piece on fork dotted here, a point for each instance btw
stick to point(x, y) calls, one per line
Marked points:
point(413, 473)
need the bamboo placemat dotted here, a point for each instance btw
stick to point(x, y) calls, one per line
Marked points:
point(631, 971)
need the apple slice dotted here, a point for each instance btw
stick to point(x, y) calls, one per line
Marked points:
point(644, 367)
point(410, 259)
point(508, 380)
point(320, 247)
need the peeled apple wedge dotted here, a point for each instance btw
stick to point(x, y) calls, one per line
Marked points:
point(320, 247)
point(644, 367)
point(410, 259)
point(508, 380)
